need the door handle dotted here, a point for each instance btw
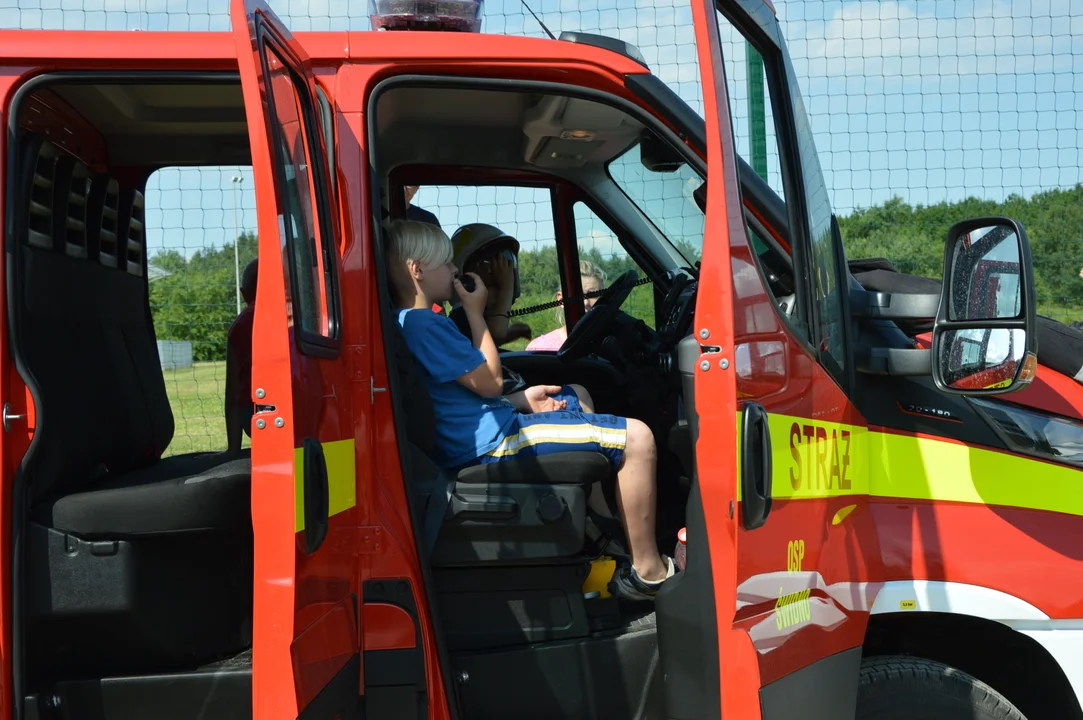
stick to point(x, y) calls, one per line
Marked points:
point(8, 417)
point(316, 494)
point(755, 466)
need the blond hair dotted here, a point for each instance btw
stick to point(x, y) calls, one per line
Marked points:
point(420, 242)
point(587, 271)
point(411, 241)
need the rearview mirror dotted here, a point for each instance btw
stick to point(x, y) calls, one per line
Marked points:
point(658, 156)
point(700, 196)
point(984, 339)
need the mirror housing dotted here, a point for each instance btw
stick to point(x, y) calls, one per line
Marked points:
point(657, 155)
point(700, 196)
point(985, 335)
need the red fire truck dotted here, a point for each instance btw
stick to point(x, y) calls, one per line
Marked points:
point(862, 536)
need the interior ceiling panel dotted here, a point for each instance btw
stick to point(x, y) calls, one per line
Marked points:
point(166, 124)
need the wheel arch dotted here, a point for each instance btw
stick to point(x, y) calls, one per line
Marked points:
point(1014, 664)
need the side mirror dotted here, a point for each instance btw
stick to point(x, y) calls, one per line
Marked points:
point(984, 339)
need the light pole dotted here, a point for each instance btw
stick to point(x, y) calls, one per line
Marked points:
point(236, 181)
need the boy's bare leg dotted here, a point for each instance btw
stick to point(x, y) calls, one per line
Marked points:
point(636, 501)
point(585, 400)
point(596, 498)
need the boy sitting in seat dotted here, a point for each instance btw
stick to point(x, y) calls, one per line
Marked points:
point(477, 425)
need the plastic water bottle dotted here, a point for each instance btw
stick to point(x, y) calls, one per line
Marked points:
point(680, 553)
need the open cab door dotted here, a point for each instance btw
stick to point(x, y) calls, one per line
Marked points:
point(307, 625)
point(781, 448)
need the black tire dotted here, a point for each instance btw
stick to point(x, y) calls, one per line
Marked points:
point(895, 687)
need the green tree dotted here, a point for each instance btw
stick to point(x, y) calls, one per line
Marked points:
point(197, 300)
point(912, 237)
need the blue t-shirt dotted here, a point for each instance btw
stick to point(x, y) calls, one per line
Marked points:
point(467, 424)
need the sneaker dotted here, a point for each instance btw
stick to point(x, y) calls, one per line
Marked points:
point(627, 583)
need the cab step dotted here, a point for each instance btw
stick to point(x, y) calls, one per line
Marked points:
point(607, 676)
point(210, 694)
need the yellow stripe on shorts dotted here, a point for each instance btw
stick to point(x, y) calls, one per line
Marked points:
point(540, 434)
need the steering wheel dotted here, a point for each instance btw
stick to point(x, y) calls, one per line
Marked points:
point(595, 323)
point(513, 381)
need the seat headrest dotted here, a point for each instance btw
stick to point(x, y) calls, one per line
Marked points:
point(103, 220)
point(133, 239)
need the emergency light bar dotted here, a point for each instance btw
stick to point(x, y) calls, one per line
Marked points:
point(446, 15)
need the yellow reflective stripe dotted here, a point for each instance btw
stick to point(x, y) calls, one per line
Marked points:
point(890, 465)
point(813, 458)
point(341, 479)
point(930, 469)
point(817, 459)
point(842, 514)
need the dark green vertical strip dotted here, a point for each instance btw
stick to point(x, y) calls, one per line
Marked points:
point(757, 117)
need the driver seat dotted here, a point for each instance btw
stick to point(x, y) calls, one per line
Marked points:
point(526, 509)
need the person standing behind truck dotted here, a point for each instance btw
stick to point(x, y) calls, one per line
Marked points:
point(238, 402)
point(593, 279)
point(413, 212)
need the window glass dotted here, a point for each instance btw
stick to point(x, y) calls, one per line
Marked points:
point(307, 255)
point(753, 118)
point(750, 106)
point(755, 131)
point(666, 199)
point(826, 244)
point(598, 246)
point(524, 213)
point(200, 236)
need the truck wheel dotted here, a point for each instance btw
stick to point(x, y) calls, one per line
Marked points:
point(896, 687)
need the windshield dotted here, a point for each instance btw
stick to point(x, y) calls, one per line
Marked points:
point(666, 199)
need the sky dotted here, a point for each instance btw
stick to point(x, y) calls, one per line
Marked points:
point(928, 100)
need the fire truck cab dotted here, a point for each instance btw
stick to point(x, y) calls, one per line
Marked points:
point(849, 489)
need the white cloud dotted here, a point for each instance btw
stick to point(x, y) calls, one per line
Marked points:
point(910, 39)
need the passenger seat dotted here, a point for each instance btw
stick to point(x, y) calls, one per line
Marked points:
point(135, 563)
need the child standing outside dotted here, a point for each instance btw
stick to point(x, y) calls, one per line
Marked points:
point(477, 425)
point(238, 402)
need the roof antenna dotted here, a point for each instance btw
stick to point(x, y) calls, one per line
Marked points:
point(551, 35)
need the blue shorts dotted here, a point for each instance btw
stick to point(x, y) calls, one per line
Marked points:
point(567, 394)
point(569, 430)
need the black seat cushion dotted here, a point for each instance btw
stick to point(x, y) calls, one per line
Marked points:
point(180, 493)
point(571, 468)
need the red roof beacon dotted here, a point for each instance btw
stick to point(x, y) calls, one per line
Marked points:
point(445, 15)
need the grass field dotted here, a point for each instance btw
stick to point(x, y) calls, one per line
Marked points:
point(195, 394)
point(1066, 314)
